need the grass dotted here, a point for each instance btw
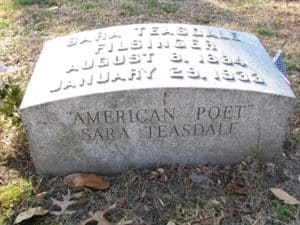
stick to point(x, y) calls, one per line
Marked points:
point(8, 7)
point(127, 7)
point(266, 31)
point(12, 195)
point(186, 207)
point(286, 214)
point(203, 20)
point(22, 3)
point(10, 99)
point(150, 3)
point(170, 7)
point(41, 15)
point(4, 24)
point(293, 64)
point(252, 2)
point(89, 5)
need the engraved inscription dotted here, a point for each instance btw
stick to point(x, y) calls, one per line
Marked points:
point(108, 125)
point(105, 77)
point(145, 53)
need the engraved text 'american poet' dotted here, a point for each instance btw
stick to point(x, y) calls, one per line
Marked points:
point(160, 123)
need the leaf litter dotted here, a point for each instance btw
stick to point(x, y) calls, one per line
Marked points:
point(99, 216)
point(63, 205)
point(29, 213)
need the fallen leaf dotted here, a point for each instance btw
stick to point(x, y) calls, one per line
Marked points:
point(235, 188)
point(261, 219)
point(171, 222)
point(78, 195)
point(214, 202)
point(199, 178)
point(146, 208)
point(161, 170)
point(2, 69)
point(284, 196)
point(99, 216)
point(205, 169)
point(64, 204)
point(143, 194)
point(41, 196)
point(161, 202)
point(159, 174)
point(125, 222)
point(220, 218)
point(29, 213)
point(88, 180)
point(53, 8)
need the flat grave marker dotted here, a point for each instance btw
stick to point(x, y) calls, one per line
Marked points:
point(133, 96)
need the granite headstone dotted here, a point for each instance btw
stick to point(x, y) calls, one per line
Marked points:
point(138, 95)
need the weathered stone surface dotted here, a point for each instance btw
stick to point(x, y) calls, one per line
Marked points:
point(133, 96)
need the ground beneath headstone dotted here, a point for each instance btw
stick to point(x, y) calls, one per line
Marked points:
point(238, 194)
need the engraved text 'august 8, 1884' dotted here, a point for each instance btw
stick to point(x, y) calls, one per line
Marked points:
point(109, 52)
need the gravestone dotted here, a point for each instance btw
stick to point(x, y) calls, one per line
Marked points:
point(138, 95)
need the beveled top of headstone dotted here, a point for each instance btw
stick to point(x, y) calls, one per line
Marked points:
point(147, 56)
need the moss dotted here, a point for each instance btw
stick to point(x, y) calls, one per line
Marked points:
point(12, 195)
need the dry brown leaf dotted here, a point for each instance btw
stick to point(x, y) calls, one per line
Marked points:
point(88, 180)
point(29, 213)
point(64, 204)
point(284, 196)
point(99, 216)
point(235, 188)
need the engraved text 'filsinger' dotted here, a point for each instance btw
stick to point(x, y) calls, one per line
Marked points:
point(112, 58)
